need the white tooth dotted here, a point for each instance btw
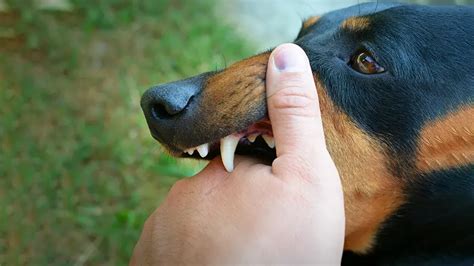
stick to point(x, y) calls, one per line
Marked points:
point(203, 149)
point(269, 140)
point(228, 146)
point(190, 151)
point(252, 137)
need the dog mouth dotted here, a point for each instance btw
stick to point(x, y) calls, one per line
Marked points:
point(256, 140)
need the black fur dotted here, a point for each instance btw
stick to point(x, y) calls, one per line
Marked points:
point(428, 53)
point(434, 227)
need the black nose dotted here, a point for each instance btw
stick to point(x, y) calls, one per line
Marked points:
point(167, 100)
point(166, 105)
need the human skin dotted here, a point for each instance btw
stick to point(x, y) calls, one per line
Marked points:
point(291, 212)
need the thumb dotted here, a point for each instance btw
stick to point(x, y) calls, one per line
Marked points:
point(293, 104)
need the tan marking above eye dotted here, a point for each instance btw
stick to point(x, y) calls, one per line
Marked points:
point(356, 23)
point(310, 21)
point(447, 142)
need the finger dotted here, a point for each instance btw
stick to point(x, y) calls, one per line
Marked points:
point(214, 169)
point(210, 176)
point(214, 173)
point(141, 251)
point(293, 103)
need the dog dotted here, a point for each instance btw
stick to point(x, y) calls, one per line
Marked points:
point(396, 90)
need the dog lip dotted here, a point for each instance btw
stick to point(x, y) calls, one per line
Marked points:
point(155, 136)
point(171, 149)
point(241, 142)
point(255, 140)
point(260, 127)
point(258, 149)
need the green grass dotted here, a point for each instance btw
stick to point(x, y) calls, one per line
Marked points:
point(79, 172)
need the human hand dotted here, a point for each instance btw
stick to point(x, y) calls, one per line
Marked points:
point(290, 212)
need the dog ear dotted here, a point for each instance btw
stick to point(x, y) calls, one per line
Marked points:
point(306, 24)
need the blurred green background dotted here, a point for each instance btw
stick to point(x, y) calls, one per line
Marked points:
point(79, 172)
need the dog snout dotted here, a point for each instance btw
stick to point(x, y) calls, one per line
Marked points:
point(168, 106)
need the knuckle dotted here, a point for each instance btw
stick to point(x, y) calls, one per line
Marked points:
point(294, 92)
point(180, 184)
point(149, 223)
point(178, 187)
point(294, 98)
point(287, 98)
point(299, 167)
point(292, 78)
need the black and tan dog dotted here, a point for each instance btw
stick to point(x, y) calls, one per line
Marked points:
point(396, 89)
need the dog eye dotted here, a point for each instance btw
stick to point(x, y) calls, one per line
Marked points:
point(365, 63)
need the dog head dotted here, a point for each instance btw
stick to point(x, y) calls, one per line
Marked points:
point(396, 88)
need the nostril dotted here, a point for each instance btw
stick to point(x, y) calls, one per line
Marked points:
point(168, 101)
point(168, 109)
point(159, 111)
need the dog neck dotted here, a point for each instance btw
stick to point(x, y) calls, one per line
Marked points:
point(435, 223)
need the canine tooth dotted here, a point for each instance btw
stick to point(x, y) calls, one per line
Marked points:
point(269, 140)
point(228, 146)
point(252, 137)
point(203, 149)
point(190, 151)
